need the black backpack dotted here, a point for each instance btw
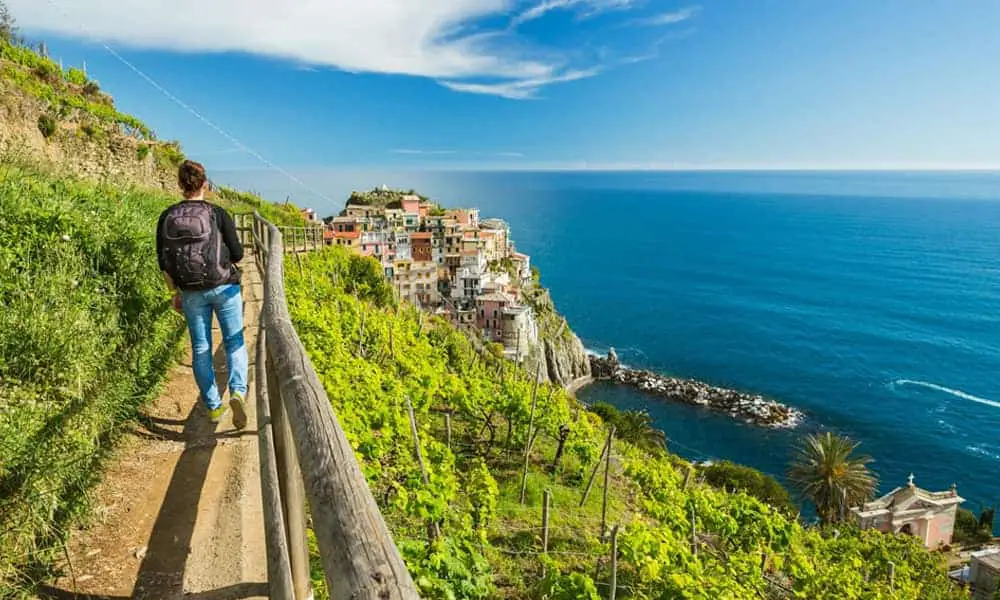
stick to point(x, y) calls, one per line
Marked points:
point(192, 246)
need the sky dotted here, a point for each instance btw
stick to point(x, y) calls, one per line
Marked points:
point(548, 84)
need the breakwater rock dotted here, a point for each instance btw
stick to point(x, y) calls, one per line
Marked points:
point(751, 408)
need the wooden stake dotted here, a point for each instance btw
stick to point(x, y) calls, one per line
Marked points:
point(694, 533)
point(447, 424)
point(892, 576)
point(687, 477)
point(614, 563)
point(434, 530)
point(527, 441)
point(547, 499)
point(593, 473)
point(607, 475)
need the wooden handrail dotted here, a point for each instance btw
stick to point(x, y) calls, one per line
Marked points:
point(360, 559)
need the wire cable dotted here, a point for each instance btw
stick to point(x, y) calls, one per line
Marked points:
point(211, 124)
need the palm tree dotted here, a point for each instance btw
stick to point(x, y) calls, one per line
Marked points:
point(825, 471)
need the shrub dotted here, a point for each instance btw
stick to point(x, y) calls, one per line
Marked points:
point(142, 152)
point(968, 529)
point(76, 76)
point(47, 125)
point(739, 478)
point(168, 155)
point(47, 71)
point(91, 88)
point(89, 130)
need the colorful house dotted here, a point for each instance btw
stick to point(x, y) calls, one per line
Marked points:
point(421, 246)
point(491, 307)
point(929, 516)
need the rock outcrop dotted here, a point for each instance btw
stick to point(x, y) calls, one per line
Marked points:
point(752, 408)
point(560, 353)
point(105, 156)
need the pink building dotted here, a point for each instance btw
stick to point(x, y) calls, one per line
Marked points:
point(411, 204)
point(490, 313)
point(929, 516)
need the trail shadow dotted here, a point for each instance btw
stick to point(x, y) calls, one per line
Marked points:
point(161, 573)
point(231, 592)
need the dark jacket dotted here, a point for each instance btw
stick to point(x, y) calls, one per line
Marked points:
point(232, 248)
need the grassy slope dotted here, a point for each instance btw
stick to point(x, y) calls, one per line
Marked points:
point(371, 356)
point(86, 336)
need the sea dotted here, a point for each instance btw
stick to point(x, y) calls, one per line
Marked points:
point(869, 300)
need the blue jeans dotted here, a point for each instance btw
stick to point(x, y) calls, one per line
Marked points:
point(227, 304)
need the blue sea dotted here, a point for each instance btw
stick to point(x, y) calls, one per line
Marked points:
point(871, 301)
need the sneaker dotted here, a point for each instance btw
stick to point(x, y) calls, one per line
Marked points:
point(236, 400)
point(215, 414)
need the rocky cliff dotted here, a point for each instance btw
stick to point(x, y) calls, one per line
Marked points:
point(560, 353)
point(64, 120)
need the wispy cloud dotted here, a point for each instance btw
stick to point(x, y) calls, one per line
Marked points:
point(668, 18)
point(589, 8)
point(422, 152)
point(522, 89)
point(467, 45)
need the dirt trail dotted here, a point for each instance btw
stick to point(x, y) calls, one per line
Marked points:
point(178, 513)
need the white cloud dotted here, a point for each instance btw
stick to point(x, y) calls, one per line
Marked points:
point(669, 18)
point(375, 36)
point(522, 89)
point(439, 39)
point(590, 8)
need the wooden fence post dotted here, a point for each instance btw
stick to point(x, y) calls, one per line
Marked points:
point(279, 569)
point(546, 501)
point(447, 425)
point(687, 477)
point(614, 563)
point(290, 483)
point(527, 441)
point(892, 576)
point(597, 465)
point(607, 475)
point(434, 529)
point(694, 533)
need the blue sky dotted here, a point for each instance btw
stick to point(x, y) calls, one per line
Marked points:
point(514, 84)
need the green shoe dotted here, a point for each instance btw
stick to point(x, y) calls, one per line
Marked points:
point(215, 415)
point(236, 400)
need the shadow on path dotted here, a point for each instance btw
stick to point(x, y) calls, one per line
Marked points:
point(161, 573)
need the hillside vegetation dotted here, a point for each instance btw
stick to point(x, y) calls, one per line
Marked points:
point(373, 355)
point(86, 336)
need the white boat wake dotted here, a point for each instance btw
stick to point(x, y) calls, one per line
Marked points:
point(946, 390)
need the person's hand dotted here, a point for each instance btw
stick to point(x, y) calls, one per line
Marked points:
point(176, 302)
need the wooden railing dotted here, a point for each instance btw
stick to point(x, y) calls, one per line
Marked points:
point(304, 454)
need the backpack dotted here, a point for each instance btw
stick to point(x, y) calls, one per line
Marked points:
point(192, 246)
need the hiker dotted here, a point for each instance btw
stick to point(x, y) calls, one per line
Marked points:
point(197, 248)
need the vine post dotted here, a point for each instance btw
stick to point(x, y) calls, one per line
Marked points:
point(614, 563)
point(433, 529)
point(597, 465)
point(527, 441)
point(607, 477)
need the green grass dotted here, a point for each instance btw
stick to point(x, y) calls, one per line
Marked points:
point(239, 202)
point(86, 335)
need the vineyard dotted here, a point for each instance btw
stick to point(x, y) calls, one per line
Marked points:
point(497, 487)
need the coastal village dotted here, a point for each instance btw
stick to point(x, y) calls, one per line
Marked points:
point(449, 262)
point(455, 264)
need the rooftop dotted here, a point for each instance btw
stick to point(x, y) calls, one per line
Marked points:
point(909, 498)
point(496, 297)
